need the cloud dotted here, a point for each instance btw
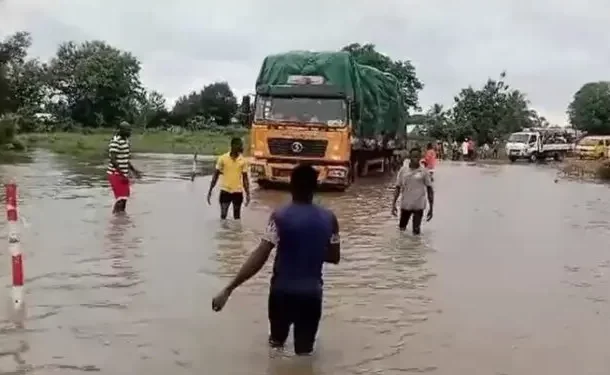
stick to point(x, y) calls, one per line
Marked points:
point(548, 47)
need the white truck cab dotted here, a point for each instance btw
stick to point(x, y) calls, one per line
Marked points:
point(535, 145)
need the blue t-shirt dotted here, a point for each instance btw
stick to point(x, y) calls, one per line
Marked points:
point(302, 234)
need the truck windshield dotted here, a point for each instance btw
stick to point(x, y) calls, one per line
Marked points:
point(589, 142)
point(331, 112)
point(518, 138)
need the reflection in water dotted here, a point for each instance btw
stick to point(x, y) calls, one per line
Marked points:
point(278, 365)
point(118, 245)
point(509, 278)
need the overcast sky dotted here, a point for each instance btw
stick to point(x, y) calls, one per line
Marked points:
point(548, 47)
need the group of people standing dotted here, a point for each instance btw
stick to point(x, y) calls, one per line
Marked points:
point(467, 150)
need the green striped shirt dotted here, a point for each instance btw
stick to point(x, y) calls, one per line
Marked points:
point(121, 147)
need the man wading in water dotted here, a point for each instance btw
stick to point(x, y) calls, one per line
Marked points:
point(234, 170)
point(120, 166)
point(413, 183)
point(306, 236)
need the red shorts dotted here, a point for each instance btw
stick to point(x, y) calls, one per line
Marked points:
point(119, 185)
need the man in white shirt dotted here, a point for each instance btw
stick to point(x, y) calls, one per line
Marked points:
point(465, 149)
point(414, 185)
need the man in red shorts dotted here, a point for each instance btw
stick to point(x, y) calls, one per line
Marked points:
point(119, 152)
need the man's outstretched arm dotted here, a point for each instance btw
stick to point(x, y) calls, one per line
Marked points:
point(259, 256)
point(252, 265)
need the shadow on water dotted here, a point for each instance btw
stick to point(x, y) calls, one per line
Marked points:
point(510, 277)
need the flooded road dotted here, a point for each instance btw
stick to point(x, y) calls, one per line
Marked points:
point(511, 277)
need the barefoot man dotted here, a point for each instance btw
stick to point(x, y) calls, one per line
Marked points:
point(306, 236)
point(234, 181)
point(413, 185)
point(120, 166)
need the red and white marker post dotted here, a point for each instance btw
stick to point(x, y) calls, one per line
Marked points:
point(194, 167)
point(14, 244)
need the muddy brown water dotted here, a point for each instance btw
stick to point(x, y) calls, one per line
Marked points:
point(511, 277)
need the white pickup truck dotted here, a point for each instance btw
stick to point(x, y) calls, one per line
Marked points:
point(537, 145)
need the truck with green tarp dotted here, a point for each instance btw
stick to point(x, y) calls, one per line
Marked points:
point(325, 109)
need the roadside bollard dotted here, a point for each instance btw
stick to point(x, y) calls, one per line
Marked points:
point(14, 244)
point(194, 168)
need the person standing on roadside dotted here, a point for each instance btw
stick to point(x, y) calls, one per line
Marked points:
point(471, 149)
point(306, 235)
point(119, 166)
point(495, 148)
point(413, 185)
point(465, 149)
point(430, 160)
point(234, 170)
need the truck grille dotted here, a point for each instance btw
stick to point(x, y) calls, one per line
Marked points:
point(297, 147)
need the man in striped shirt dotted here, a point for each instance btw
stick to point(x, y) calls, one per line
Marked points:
point(120, 166)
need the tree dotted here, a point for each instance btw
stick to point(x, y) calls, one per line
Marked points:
point(95, 83)
point(218, 102)
point(23, 81)
point(245, 110)
point(437, 122)
point(4, 88)
point(152, 112)
point(590, 108)
point(492, 111)
point(187, 106)
point(403, 70)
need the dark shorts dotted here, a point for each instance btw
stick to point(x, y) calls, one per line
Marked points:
point(301, 310)
point(405, 216)
point(226, 199)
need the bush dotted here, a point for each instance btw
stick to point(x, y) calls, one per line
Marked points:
point(8, 129)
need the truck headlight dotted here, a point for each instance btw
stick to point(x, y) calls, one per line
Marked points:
point(337, 173)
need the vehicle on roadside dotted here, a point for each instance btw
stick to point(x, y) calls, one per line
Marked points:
point(323, 108)
point(588, 147)
point(537, 145)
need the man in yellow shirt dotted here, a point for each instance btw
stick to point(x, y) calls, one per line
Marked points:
point(234, 170)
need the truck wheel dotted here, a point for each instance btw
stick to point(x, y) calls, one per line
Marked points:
point(558, 156)
point(512, 159)
point(533, 157)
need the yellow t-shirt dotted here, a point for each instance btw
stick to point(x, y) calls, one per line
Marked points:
point(232, 171)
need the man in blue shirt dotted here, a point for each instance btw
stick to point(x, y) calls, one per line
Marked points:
point(306, 236)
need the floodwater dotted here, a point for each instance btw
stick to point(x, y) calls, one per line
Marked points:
point(511, 277)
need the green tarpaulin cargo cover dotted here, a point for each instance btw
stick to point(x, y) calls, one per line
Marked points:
point(377, 95)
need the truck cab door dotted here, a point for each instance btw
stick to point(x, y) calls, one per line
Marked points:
point(532, 144)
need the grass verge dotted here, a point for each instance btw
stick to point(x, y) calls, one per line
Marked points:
point(205, 142)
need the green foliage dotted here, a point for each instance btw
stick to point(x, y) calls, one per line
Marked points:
point(492, 111)
point(95, 85)
point(403, 70)
point(22, 81)
point(590, 108)
point(245, 111)
point(214, 105)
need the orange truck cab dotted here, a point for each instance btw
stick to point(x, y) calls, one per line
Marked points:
point(305, 121)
